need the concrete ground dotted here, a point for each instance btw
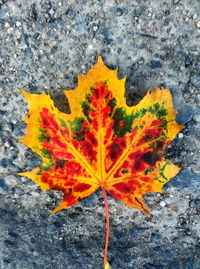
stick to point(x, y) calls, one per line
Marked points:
point(46, 45)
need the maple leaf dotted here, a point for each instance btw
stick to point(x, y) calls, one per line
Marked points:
point(102, 142)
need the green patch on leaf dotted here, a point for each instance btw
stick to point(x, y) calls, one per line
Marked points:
point(62, 123)
point(105, 83)
point(87, 97)
point(122, 122)
point(158, 110)
point(139, 114)
point(85, 109)
point(45, 167)
point(156, 106)
point(164, 124)
point(46, 152)
point(42, 136)
point(162, 113)
point(163, 176)
point(162, 169)
point(148, 170)
point(152, 145)
point(112, 103)
point(76, 125)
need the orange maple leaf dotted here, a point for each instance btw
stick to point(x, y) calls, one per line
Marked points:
point(102, 142)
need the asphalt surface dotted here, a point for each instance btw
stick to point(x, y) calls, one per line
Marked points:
point(45, 45)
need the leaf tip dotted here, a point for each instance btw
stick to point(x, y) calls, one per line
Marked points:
point(99, 59)
point(21, 174)
point(23, 92)
point(146, 211)
point(61, 206)
point(149, 215)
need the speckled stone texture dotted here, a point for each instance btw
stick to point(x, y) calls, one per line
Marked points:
point(46, 45)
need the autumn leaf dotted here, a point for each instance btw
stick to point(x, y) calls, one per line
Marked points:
point(102, 142)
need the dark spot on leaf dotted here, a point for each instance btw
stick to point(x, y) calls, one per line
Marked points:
point(161, 113)
point(151, 158)
point(124, 171)
point(113, 155)
point(148, 170)
point(159, 145)
point(138, 155)
point(122, 187)
point(147, 138)
point(44, 179)
point(107, 95)
point(137, 164)
point(82, 187)
point(60, 164)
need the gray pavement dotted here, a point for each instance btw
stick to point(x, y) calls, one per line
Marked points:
point(46, 45)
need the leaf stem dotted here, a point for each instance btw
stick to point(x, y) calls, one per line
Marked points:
point(106, 263)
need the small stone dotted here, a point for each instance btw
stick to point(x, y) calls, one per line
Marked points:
point(7, 24)
point(48, 5)
point(34, 194)
point(192, 203)
point(195, 79)
point(167, 12)
point(95, 28)
point(196, 117)
point(10, 180)
point(40, 26)
point(186, 114)
point(183, 153)
point(180, 135)
point(51, 11)
point(2, 184)
point(7, 144)
point(194, 16)
point(36, 36)
point(22, 73)
point(17, 34)
point(156, 64)
point(198, 24)
point(71, 13)
point(162, 203)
